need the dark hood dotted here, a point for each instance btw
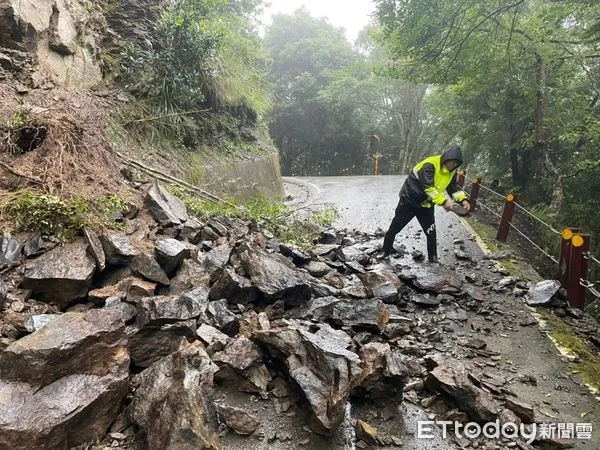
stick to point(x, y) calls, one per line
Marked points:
point(452, 152)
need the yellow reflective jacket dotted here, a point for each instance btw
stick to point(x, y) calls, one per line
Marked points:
point(428, 180)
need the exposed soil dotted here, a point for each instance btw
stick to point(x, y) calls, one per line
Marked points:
point(57, 140)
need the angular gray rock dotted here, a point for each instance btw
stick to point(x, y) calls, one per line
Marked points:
point(523, 410)
point(542, 292)
point(237, 419)
point(160, 310)
point(138, 289)
point(317, 268)
point(273, 277)
point(351, 253)
point(164, 207)
point(241, 366)
point(383, 374)
point(127, 310)
point(146, 266)
point(36, 322)
point(117, 248)
point(95, 248)
point(432, 278)
point(321, 366)
point(233, 287)
point(190, 275)
point(213, 339)
point(215, 259)
point(222, 318)
point(454, 383)
point(3, 292)
point(10, 252)
point(190, 231)
point(70, 377)
point(369, 314)
point(169, 254)
point(425, 299)
point(382, 283)
point(297, 256)
point(172, 411)
point(61, 275)
point(150, 344)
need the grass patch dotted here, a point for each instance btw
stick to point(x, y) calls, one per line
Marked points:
point(60, 219)
point(276, 217)
point(488, 235)
point(589, 364)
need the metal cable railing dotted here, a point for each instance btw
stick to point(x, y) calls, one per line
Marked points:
point(491, 190)
point(491, 205)
point(592, 258)
point(482, 203)
point(590, 287)
point(547, 225)
point(533, 243)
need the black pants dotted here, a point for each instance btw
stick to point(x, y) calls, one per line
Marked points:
point(405, 214)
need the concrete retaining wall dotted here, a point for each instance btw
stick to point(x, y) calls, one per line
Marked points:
point(245, 179)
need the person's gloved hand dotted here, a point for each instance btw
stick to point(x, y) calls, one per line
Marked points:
point(448, 205)
point(465, 204)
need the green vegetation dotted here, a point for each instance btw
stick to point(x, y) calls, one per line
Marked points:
point(488, 235)
point(202, 82)
point(285, 224)
point(589, 363)
point(60, 219)
point(516, 83)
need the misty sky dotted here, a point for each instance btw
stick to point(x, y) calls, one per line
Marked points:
point(353, 15)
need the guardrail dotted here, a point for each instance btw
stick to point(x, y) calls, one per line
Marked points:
point(574, 256)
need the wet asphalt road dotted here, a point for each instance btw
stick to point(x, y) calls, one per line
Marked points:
point(367, 203)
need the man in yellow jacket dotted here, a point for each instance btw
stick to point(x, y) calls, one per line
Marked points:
point(422, 190)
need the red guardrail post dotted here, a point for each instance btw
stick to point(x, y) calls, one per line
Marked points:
point(578, 270)
point(474, 193)
point(565, 255)
point(507, 215)
point(461, 178)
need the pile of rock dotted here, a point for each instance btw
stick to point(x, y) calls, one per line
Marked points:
point(142, 337)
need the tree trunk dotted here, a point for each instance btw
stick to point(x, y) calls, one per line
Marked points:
point(533, 155)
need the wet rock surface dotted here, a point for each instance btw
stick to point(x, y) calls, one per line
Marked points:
point(241, 342)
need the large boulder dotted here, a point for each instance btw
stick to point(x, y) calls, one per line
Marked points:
point(233, 287)
point(69, 377)
point(169, 407)
point(216, 258)
point(95, 248)
point(382, 283)
point(241, 366)
point(273, 276)
point(146, 266)
point(160, 310)
point(170, 253)
point(320, 365)
point(431, 278)
point(164, 207)
point(383, 374)
point(118, 249)
point(454, 384)
point(61, 275)
point(190, 275)
point(370, 314)
point(10, 252)
point(151, 343)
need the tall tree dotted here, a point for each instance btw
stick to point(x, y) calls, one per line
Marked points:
point(514, 79)
point(305, 127)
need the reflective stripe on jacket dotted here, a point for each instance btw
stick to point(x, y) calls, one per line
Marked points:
point(424, 187)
